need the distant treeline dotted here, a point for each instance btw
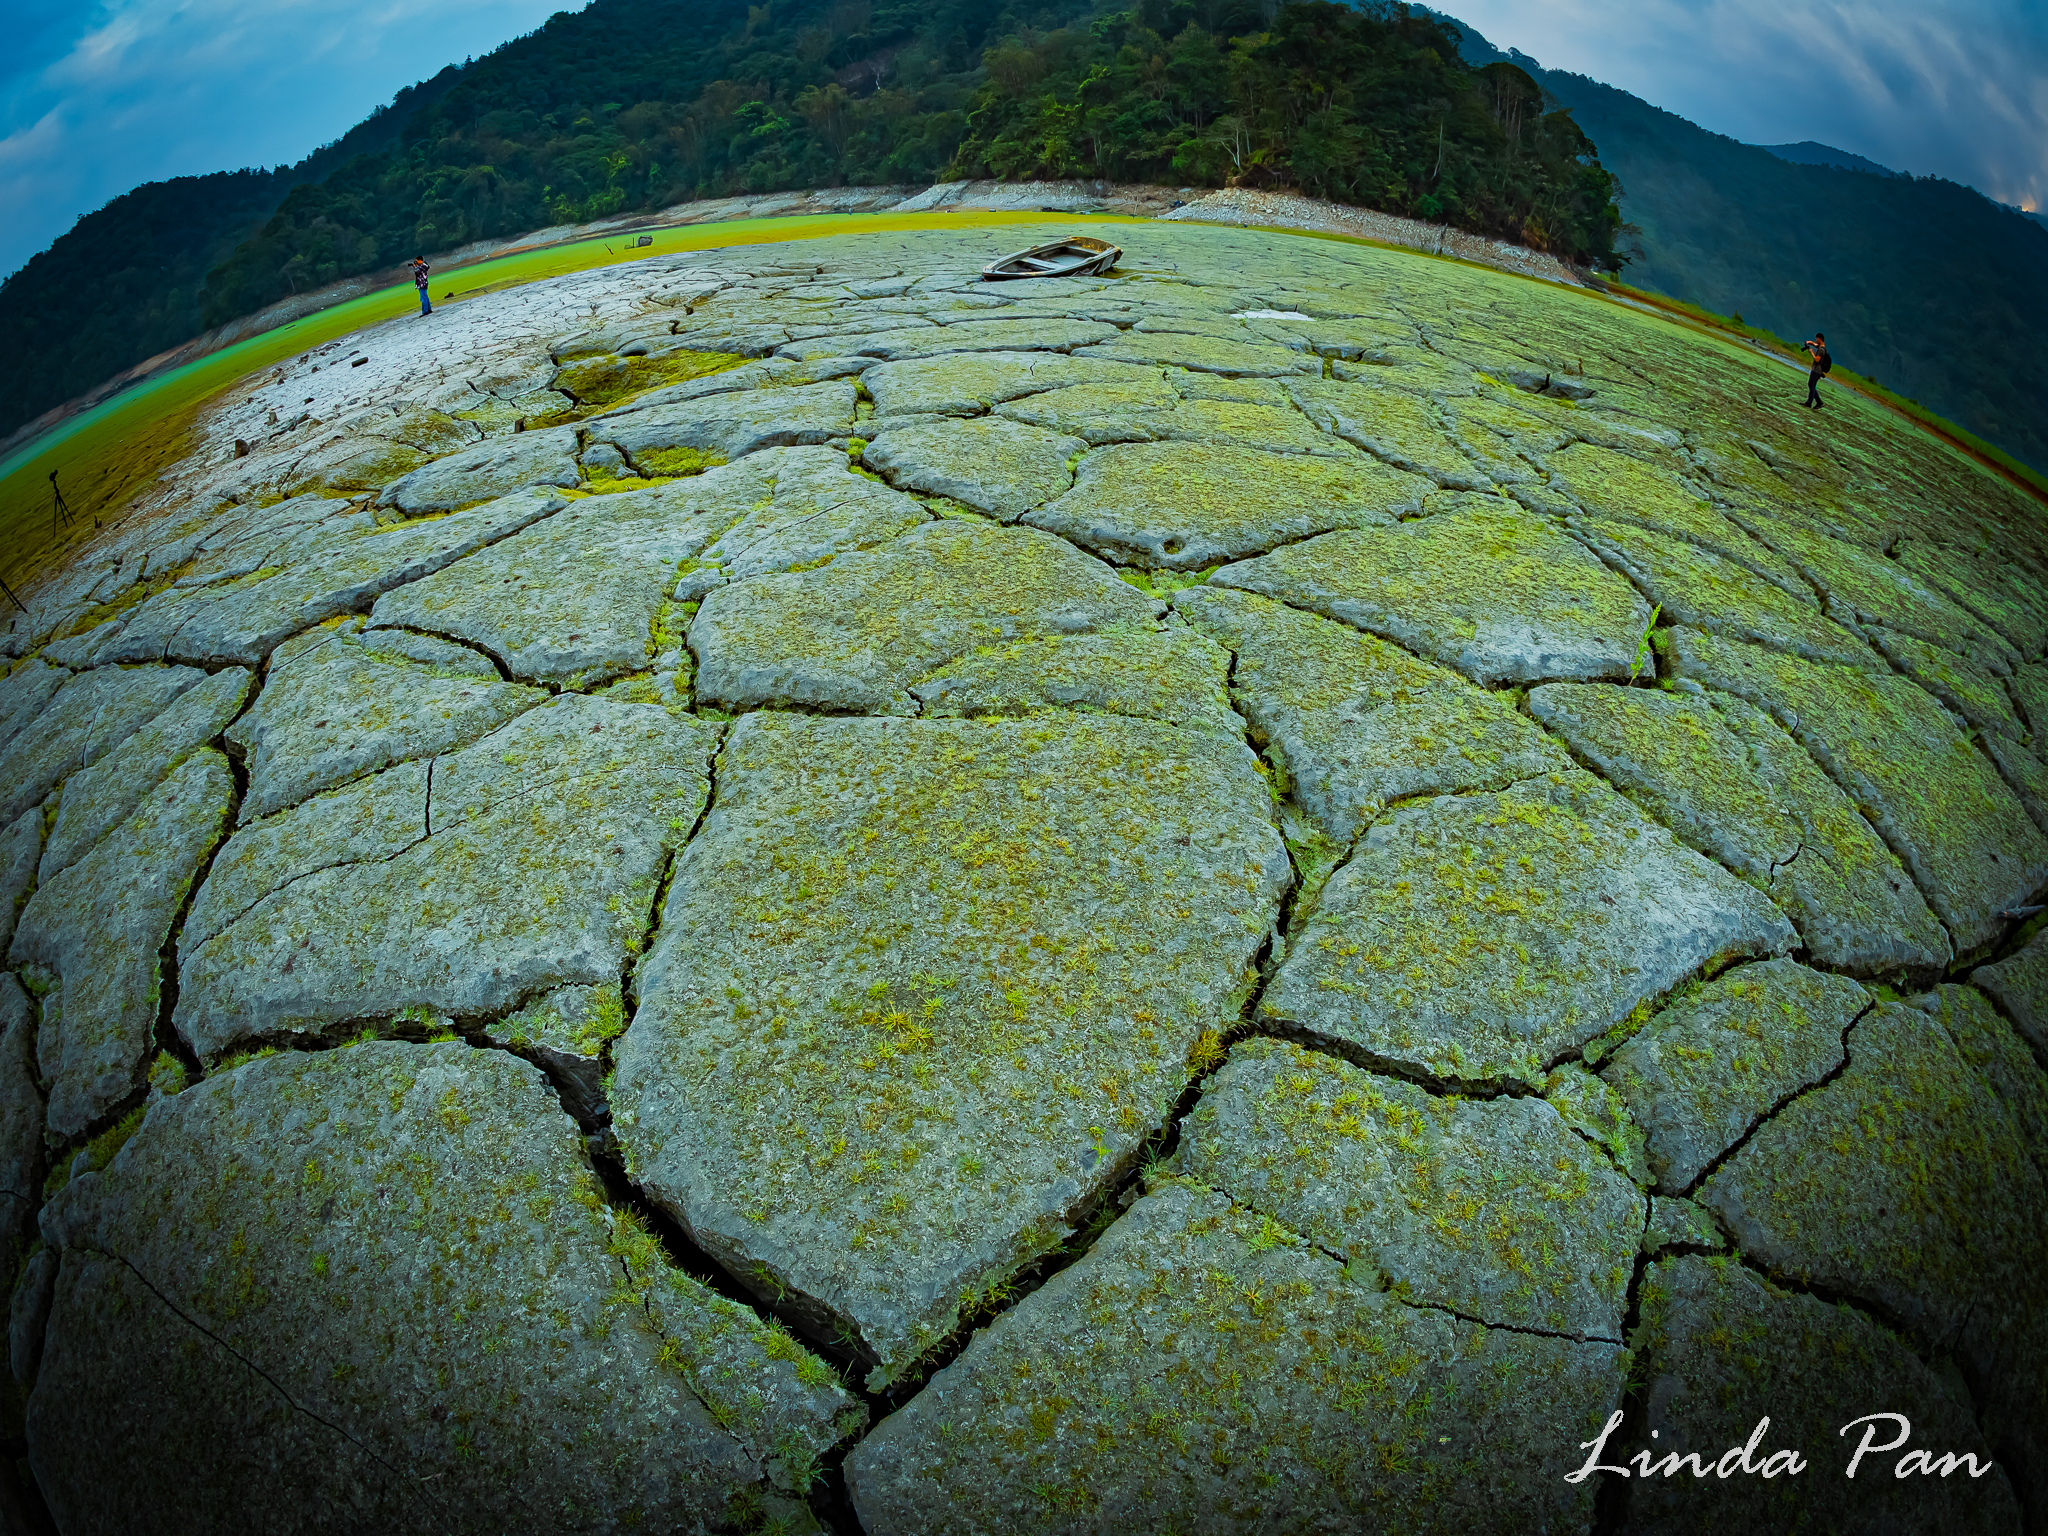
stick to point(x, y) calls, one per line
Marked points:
point(635, 104)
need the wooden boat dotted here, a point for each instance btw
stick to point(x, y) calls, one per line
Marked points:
point(1079, 257)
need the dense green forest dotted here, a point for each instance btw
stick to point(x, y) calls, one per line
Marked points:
point(624, 107)
point(1924, 285)
point(635, 104)
point(129, 280)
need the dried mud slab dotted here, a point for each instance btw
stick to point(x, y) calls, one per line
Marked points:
point(1704, 1072)
point(1728, 781)
point(21, 1120)
point(1234, 356)
point(1183, 506)
point(337, 704)
point(21, 847)
point(490, 470)
point(434, 1322)
point(730, 424)
point(1204, 1369)
point(965, 385)
point(530, 864)
point(1356, 722)
point(331, 568)
point(2019, 984)
point(570, 601)
point(1496, 593)
point(97, 929)
point(24, 692)
point(99, 798)
point(1003, 468)
point(859, 632)
point(1390, 425)
point(787, 509)
point(1479, 938)
point(923, 988)
point(1936, 800)
point(90, 715)
point(1697, 587)
point(1496, 1211)
point(1174, 675)
point(1911, 1183)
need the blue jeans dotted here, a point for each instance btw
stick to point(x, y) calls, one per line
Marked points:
point(425, 307)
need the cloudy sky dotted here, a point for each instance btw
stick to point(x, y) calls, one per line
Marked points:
point(1955, 88)
point(98, 95)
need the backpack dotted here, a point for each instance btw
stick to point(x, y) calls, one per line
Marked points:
point(1826, 361)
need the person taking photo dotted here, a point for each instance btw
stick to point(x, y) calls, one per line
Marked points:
point(1817, 351)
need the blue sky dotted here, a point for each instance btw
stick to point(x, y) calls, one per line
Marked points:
point(97, 97)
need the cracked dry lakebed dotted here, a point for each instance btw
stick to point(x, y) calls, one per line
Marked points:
point(778, 890)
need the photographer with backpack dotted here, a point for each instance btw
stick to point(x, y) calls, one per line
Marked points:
point(1817, 349)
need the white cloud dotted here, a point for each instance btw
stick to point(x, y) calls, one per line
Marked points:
point(1957, 90)
point(100, 98)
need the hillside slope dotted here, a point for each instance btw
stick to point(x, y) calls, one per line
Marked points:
point(1807, 152)
point(129, 280)
point(633, 104)
point(1927, 286)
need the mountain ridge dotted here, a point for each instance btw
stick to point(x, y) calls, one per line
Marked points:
point(903, 92)
point(1927, 286)
point(1810, 152)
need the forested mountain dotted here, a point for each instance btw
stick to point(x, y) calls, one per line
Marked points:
point(129, 281)
point(1807, 152)
point(633, 104)
point(1927, 286)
